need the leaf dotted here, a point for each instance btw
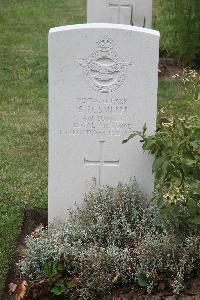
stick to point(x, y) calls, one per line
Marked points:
point(131, 136)
point(143, 280)
point(190, 162)
point(195, 144)
point(59, 289)
point(40, 226)
point(21, 290)
point(57, 267)
point(35, 234)
point(12, 287)
point(157, 164)
point(148, 144)
point(144, 129)
point(196, 220)
point(47, 268)
point(165, 169)
point(38, 229)
point(192, 206)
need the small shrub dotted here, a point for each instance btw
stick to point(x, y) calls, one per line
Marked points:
point(114, 238)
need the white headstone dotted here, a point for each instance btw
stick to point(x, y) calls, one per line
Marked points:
point(129, 12)
point(102, 86)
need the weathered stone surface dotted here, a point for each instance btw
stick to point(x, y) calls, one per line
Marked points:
point(102, 86)
point(129, 12)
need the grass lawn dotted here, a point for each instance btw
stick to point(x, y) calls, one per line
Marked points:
point(24, 27)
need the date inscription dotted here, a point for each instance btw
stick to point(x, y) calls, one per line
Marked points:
point(100, 117)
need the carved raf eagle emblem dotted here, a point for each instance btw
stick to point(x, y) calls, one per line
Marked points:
point(104, 70)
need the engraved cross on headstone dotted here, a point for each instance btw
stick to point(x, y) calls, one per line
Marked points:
point(118, 5)
point(101, 163)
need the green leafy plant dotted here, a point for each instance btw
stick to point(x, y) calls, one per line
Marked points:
point(176, 150)
point(53, 269)
point(58, 273)
point(176, 147)
point(143, 280)
point(59, 288)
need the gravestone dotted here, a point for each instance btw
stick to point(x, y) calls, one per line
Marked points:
point(129, 12)
point(102, 86)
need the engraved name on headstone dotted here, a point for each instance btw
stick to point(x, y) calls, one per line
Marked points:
point(102, 86)
point(128, 12)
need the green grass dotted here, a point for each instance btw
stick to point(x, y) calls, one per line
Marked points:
point(24, 26)
point(177, 103)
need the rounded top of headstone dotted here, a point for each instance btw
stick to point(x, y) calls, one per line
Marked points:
point(104, 26)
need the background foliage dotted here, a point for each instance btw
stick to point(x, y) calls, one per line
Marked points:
point(179, 24)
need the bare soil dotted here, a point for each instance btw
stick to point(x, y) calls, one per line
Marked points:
point(169, 67)
point(31, 220)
